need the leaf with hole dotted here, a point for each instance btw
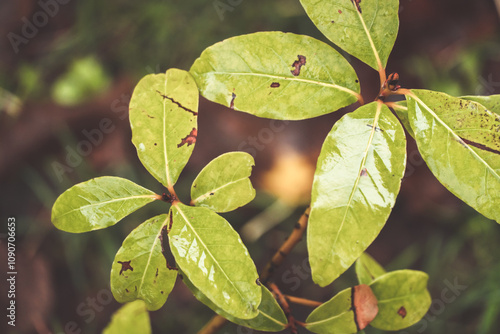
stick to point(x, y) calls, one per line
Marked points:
point(460, 142)
point(367, 269)
point(163, 118)
point(403, 299)
point(276, 75)
point(355, 186)
point(350, 311)
point(224, 184)
point(140, 269)
point(211, 254)
point(131, 318)
point(365, 29)
point(98, 203)
point(271, 317)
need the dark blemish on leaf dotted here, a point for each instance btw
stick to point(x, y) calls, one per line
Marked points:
point(195, 186)
point(357, 81)
point(231, 105)
point(125, 266)
point(364, 172)
point(333, 21)
point(257, 281)
point(189, 139)
point(275, 85)
point(180, 105)
point(356, 3)
point(298, 64)
point(161, 292)
point(211, 194)
point(340, 12)
point(376, 128)
point(126, 290)
point(150, 116)
point(156, 275)
point(480, 146)
point(402, 312)
point(156, 144)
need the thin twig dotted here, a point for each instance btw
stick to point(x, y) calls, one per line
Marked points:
point(286, 247)
point(216, 323)
point(286, 308)
point(302, 301)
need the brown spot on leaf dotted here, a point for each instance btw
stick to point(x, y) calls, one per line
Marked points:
point(480, 146)
point(364, 305)
point(402, 312)
point(275, 85)
point(156, 275)
point(211, 194)
point(298, 64)
point(356, 3)
point(126, 290)
point(189, 139)
point(125, 266)
point(364, 172)
point(340, 12)
point(178, 104)
point(231, 105)
point(150, 116)
point(161, 292)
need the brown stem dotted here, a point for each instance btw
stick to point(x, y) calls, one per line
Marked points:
point(216, 323)
point(286, 308)
point(302, 301)
point(286, 247)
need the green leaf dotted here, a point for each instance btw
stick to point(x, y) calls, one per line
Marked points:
point(253, 73)
point(131, 318)
point(271, 317)
point(98, 203)
point(460, 142)
point(401, 110)
point(367, 269)
point(368, 35)
point(403, 299)
point(349, 311)
point(224, 184)
point(140, 269)
point(163, 118)
point(211, 254)
point(492, 102)
point(356, 183)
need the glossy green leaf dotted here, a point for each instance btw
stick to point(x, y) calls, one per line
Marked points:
point(401, 110)
point(367, 269)
point(211, 254)
point(491, 102)
point(253, 73)
point(131, 318)
point(98, 203)
point(163, 118)
point(349, 311)
point(403, 299)
point(460, 142)
point(368, 34)
point(356, 183)
point(271, 317)
point(224, 184)
point(140, 269)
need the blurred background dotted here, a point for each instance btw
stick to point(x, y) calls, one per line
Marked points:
point(66, 66)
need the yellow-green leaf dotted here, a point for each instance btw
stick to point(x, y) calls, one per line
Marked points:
point(140, 269)
point(403, 299)
point(131, 318)
point(271, 317)
point(367, 269)
point(491, 102)
point(460, 142)
point(211, 254)
point(163, 118)
point(224, 184)
point(366, 29)
point(276, 75)
point(98, 203)
point(355, 186)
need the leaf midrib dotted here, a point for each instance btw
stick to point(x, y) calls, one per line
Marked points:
point(207, 194)
point(208, 251)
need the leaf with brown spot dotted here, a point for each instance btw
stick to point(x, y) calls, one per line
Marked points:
point(402, 312)
point(298, 65)
point(364, 304)
point(149, 274)
point(190, 139)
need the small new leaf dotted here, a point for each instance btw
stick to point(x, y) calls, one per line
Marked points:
point(224, 184)
point(98, 203)
point(131, 318)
